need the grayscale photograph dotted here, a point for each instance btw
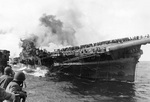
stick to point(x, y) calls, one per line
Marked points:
point(74, 51)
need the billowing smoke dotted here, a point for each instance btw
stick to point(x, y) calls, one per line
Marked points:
point(87, 21)
point(51, 30)
point(65, 36)
point(36, 21)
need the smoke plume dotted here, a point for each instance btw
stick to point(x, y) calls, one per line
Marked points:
point(65, 36)
point(51, 30)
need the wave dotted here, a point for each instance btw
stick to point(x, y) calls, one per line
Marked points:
point(38, 71)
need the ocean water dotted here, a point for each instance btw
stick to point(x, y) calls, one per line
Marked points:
point(96, 91)
point(66, 88)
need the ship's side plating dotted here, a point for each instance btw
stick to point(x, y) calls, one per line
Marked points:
point(115, 62)
point(118, 65)
point(118, 70)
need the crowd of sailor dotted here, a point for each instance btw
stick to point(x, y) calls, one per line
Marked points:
point(98, 47)
point(42, 53)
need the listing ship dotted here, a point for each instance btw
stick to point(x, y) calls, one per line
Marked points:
point(112, 60)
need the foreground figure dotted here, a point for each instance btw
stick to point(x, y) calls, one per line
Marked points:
point(7, 77)
point(7, 96)
point(15, 87)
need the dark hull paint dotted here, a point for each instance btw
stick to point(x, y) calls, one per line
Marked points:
point(109, 61)
point(116, 70)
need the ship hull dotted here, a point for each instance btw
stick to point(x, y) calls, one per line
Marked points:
point(106, 61)
point(115, 70)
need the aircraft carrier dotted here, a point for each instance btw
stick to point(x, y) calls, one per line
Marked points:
point(111, 60)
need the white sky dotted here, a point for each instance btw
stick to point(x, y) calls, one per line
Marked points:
point(94, 20)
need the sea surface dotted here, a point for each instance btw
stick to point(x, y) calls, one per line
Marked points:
point(74, 89)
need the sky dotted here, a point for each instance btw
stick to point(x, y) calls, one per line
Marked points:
point(92, 20)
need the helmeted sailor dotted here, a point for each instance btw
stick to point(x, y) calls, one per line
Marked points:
point(7, 77)
point(6, 96)
point(16, 85)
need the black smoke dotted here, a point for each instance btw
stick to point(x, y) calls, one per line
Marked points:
point(65, 36)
